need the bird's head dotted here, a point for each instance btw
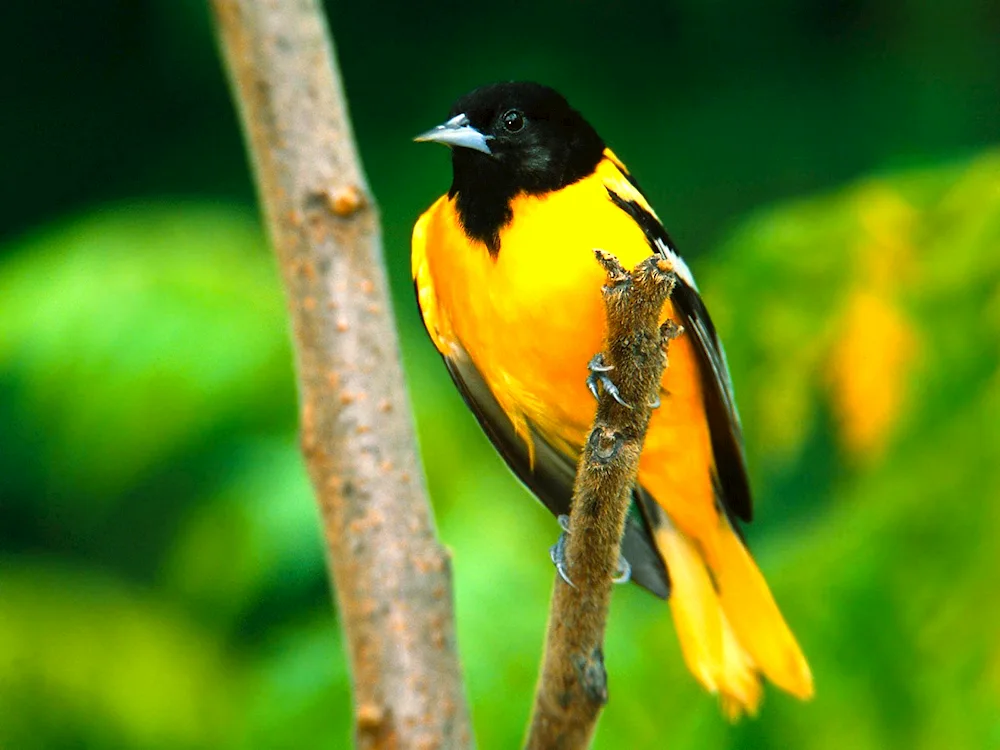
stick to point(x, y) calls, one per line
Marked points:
point(517, 137)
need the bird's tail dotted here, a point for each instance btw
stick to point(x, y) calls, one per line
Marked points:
point(730, 629)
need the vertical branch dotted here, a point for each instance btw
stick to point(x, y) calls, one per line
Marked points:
point(391, 575)
point(572, 687)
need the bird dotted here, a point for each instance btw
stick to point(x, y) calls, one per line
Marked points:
point(510, 294)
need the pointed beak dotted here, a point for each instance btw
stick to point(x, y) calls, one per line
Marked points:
point(457, 132)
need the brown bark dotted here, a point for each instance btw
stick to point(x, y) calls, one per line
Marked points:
point(392, 577)
point(572, 688)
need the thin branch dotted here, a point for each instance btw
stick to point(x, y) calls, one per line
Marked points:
point(392, 577)
point(573, 688)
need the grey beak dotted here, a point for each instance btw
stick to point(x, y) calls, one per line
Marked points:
point(457, 132)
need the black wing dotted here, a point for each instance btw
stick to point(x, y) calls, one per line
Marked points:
point(720, 406)
point(551, 478)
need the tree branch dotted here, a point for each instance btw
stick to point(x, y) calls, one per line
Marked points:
point(572, 688)
point(391, 575)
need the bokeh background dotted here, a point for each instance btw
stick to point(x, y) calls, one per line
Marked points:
point(831, 170)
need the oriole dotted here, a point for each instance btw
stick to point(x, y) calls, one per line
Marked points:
point(510, 294)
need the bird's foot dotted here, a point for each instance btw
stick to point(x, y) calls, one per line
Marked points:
point(557, 553)
point(598, 376)
point(624, 572)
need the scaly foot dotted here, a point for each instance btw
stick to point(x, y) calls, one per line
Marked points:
point(598, 376)
point(557, 553)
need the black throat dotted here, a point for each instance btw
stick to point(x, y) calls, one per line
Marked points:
point(484, 193)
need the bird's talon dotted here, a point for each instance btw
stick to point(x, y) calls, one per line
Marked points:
point(597, 377)
point(564, 576)
point(624, 572)
point(597, 364)
point(613, 390)
point(655, 403)
point(563, 521)
point(557, 553)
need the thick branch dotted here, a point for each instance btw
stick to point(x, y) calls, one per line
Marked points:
point(573, 689)
point(392, 577)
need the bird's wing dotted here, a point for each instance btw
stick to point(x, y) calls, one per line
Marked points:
point(550, 476)
point(720, 405)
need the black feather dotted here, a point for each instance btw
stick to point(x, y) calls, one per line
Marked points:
point(720, 406)
point(551, 478)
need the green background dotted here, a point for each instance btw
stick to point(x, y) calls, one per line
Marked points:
point(830, 169)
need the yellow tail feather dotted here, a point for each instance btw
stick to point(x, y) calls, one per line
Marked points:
point(710, 649)
point(695, 607)
point(729, 628)
point(756, 620)
point(745, 691)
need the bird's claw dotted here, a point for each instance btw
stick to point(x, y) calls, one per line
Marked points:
point(598, 376)
point(655, 403)
point(624, 572)
point(597, 364)
point(557, 552)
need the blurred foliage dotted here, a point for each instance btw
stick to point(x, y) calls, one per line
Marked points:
point(162, 582)
point(165, 587)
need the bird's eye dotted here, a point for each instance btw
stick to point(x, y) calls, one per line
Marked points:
point(513, 120)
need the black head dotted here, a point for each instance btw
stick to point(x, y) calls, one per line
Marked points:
point(509, 139)
point(536, 141)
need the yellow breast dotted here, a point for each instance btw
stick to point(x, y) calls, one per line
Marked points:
point(531, 318)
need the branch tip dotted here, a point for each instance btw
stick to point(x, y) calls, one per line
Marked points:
point(614, 269)
point(572, 688)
